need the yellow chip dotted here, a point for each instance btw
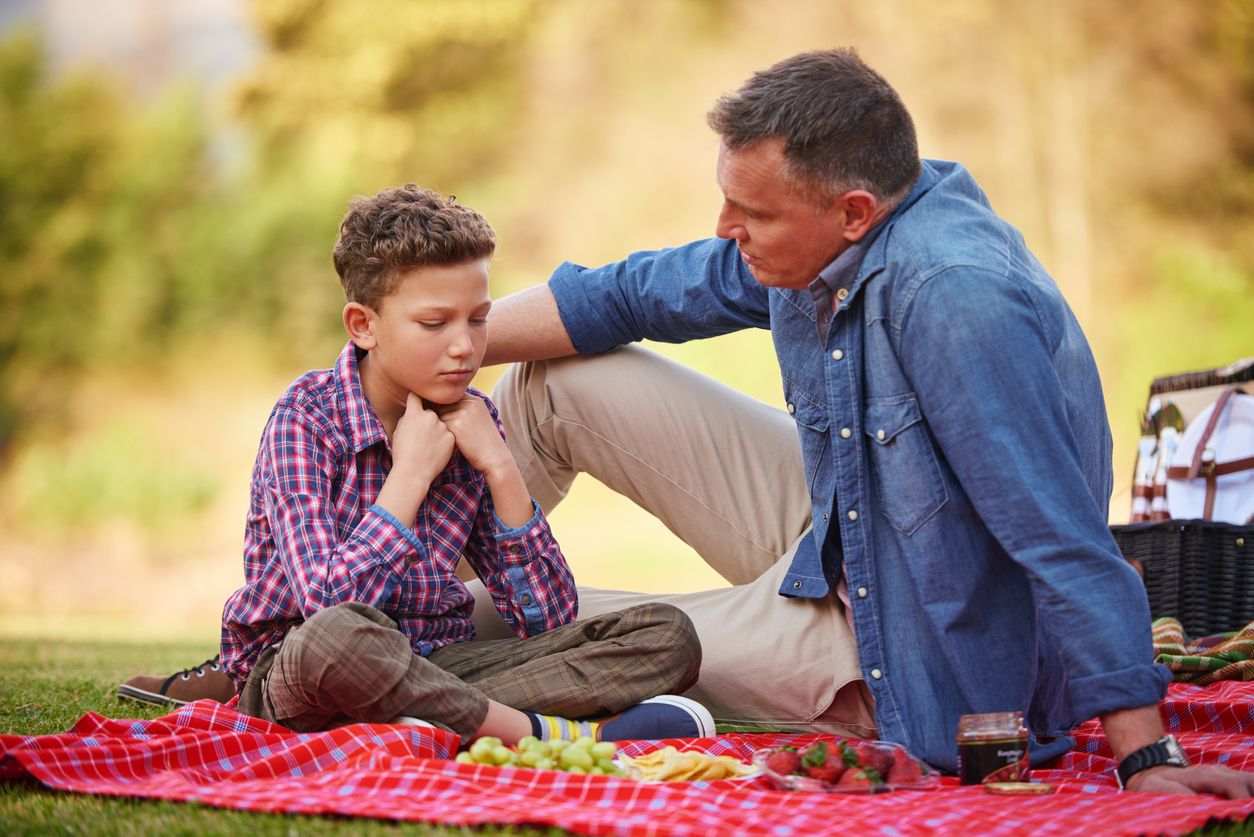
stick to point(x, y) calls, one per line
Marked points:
point(670, 765)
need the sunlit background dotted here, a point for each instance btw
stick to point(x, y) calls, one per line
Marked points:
point(172, 173)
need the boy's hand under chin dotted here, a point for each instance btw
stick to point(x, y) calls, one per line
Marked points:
point(476, 434)
point(421, 444)
point(480, 442)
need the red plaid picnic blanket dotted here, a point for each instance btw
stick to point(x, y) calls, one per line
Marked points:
point(208, 753)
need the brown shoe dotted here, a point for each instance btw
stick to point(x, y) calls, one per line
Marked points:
point(204, 681)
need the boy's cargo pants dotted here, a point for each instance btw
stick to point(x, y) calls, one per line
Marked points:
point(351, 663)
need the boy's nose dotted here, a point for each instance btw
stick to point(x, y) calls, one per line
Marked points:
point(462, 345)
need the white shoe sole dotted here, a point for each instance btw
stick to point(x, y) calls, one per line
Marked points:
point(705, 721)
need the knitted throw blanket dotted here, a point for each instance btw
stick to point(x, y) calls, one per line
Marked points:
point(1206, 659)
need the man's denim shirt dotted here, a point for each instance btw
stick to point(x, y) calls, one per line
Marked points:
point(953, 427)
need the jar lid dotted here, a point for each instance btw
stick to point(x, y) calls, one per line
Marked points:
point(1019, 788)
point(1011, 722)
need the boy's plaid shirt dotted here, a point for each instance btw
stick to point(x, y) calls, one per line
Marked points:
point(314, 537)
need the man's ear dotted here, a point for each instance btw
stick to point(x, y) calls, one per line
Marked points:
point(359, 323)
point(859, 212)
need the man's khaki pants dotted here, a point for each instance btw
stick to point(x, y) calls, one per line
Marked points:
point(723, 472)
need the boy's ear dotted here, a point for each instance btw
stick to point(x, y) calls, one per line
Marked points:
point(359, 323)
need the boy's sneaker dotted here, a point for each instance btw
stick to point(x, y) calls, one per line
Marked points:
point(664, 716)
point(206, 680)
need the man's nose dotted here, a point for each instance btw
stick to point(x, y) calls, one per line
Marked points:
point(729, 225)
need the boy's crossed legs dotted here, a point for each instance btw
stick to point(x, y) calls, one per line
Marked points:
point(351, 663)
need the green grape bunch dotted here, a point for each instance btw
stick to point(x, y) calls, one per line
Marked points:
point(583, 755)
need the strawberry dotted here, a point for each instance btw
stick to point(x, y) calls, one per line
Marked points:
point(815, 755)
point(856, 779)
point(869, 755)
point(834, 767)
point(829, 771)
point(784, 761)
point(905, 771)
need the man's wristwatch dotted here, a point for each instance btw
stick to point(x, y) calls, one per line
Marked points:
point(1163, 751)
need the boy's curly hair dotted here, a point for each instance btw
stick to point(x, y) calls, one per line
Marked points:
point(399, 229)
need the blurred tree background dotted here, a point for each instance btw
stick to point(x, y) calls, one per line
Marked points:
point(164, 247)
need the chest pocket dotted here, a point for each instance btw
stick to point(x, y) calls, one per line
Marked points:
point(445, 520)
point(907, 477)
point(811, 421)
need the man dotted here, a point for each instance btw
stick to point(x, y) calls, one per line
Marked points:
point(954, 467)
point(937, 545)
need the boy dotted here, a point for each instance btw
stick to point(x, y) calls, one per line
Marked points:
point(372, 480)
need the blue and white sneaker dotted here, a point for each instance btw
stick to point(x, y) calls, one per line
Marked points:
point(664, 716)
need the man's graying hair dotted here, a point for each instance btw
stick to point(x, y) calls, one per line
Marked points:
point(843, 126)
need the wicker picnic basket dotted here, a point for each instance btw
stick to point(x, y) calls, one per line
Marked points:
point(1199, 571)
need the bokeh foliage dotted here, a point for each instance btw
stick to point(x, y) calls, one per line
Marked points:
point(141, 233)
point(124, 233)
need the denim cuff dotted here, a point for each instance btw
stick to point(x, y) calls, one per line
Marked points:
point(405, 531)
point(574, 306)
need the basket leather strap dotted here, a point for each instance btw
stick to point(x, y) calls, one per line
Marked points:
point(1210, 428)
point(1210, 470)
point(1219, 469)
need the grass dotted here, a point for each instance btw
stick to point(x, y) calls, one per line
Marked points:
point(45, 686)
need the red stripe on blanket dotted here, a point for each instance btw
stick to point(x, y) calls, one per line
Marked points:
point(210, 754)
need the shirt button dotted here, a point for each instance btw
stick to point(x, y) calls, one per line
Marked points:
point(526, 599)
point(837, 355)
point(513, 549)
point(879, 434)
point(841, 293)
point(825, 515)
point(792, 408)
point(876, 674)
point(796, 585)
point(845, 432)
point(853, 515)
point(862, 591)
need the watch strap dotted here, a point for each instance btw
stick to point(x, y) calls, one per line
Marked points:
point(1165, 751)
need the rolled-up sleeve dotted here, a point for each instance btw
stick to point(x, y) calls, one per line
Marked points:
point(684, 293)
point(524, 570)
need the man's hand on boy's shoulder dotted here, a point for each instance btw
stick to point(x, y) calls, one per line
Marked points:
point(476, 434)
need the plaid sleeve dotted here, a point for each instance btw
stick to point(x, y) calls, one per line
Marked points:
point(522, 567)
point(324, 567)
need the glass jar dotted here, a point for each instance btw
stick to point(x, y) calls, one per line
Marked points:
point(992, 747)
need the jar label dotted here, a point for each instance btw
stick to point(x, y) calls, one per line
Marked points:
point(993, 761)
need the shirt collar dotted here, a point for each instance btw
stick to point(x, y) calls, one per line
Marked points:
point(875, 258)
point(836, 281)
point(363, 425)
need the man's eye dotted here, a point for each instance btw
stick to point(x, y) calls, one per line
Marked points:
point(479, 320)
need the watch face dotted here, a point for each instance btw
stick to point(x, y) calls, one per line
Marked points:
point(1175, 755)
